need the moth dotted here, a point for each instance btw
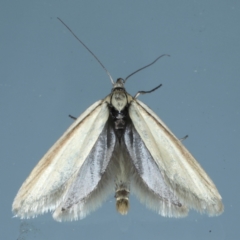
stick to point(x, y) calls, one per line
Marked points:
point(117, 145)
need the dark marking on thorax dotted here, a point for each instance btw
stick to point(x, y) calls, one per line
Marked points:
point(119, 120)
point(118, 109)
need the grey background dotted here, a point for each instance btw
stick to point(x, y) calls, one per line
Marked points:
point(45, 74)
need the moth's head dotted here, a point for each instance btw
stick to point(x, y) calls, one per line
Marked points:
point(118, 84)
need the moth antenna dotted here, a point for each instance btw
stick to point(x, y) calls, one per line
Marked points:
point(143, 92)
point(72, 117)
point(69, 29)
point(146, 66)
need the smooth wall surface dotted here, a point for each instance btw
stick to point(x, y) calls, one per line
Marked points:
point(46, 75)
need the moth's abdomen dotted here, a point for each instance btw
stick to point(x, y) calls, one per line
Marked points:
point(122, 200)
point(121, 172)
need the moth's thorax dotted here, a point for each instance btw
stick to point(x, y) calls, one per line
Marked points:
point(118, 102)
point(119, 99)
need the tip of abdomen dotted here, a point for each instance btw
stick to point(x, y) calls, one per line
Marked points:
point(122, 205)
point(122, 201)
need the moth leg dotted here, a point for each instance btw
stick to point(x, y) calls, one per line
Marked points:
point(144, 92)
point(183, 138)
point(74, 118)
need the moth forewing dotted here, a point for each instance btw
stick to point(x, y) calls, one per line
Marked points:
point(147, 181)
point(44, 189)
point(181, 171)
point(92, 184)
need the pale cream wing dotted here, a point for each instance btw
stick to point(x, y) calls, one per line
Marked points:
point(181, 172)
point(45, 187)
